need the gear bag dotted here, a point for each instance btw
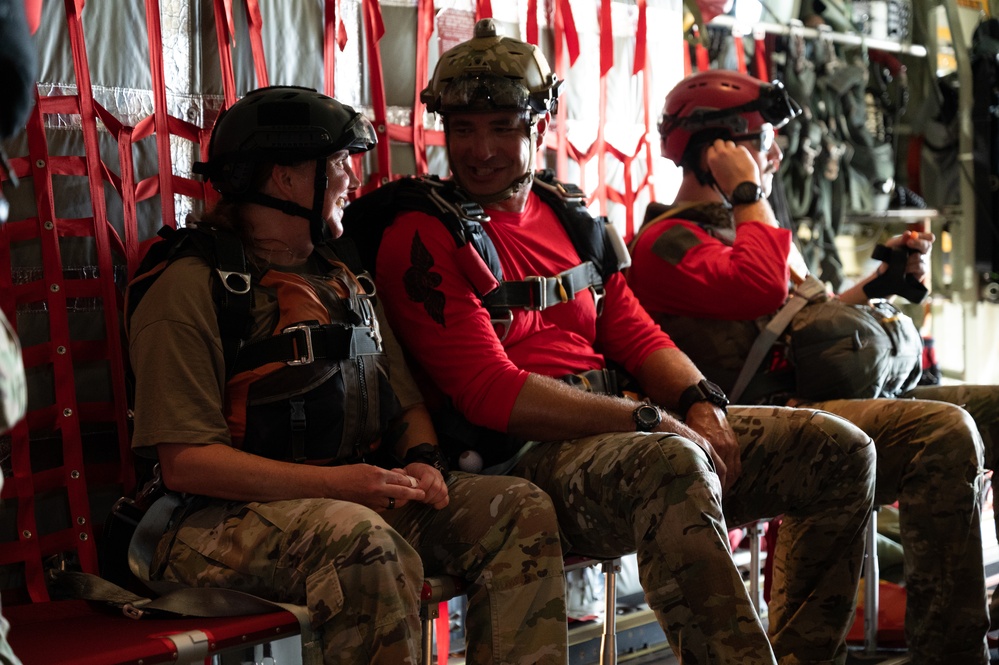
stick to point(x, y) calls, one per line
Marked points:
point(840, 351)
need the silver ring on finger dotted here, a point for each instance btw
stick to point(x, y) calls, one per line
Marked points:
point(391, 502)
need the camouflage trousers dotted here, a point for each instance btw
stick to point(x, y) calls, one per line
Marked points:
point(930, 461)
point(659, 494)
point(361, 572)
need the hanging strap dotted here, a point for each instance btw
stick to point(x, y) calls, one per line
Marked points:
point(807, 291)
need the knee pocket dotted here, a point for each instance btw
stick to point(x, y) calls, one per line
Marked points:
point(678, 455)
point(845, 436)
point(953, 443)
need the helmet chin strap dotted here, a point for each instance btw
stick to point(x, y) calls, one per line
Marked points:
point(317, 225)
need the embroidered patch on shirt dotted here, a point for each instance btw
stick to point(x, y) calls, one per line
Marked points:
point(420, 281)
point(674, 244)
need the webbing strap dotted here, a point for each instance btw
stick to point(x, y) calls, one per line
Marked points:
point(256, 24)
point(374, 29)
point(540, 293)
point(224, 28)
point(808, 290)
point(424, 31)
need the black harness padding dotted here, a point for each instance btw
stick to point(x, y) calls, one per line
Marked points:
point(232, 290)
point(366, 219)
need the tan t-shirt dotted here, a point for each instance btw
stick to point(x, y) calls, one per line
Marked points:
point(176, 354)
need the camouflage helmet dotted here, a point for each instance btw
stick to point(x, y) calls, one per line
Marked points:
point(492, 73)
point(720, 104)
point(279, 125)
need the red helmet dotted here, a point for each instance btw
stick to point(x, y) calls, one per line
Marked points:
point(720, 104)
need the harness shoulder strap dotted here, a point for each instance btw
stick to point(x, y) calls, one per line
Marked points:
point(232, 292)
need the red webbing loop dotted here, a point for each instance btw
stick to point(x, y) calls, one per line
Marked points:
point(606, 41)
point(374, 29)
point(703, 57)
point(223, 34)
point(760, 56)
point(483, 9)
point(641, 38)
point(255, 25)
point(740, 53)
point(114, 353)
point(165, 173)
point(565, 28)
point(424, 32)
point(532, 22)
point(334, 35)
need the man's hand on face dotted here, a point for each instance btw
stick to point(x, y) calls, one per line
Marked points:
point(731, 164)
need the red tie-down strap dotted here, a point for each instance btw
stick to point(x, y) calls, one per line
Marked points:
point(424, 32)
point(641, 37)
point(113, 352)
point(760, 54)
point(740, 52)
point(374, 29)
point(334, 37)
point(483, 9)
point(256, 25)
point(565, 28)
point(224, 30)
point(606, 40)
point(165, 164)
point(629, 196)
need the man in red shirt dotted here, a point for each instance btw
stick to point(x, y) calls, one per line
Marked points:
point(715, 261)
point(661, 477)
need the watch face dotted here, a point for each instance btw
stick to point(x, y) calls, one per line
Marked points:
point(647, 417)
point(746, 192)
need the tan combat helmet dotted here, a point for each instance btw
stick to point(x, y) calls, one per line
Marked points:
point(492, 73)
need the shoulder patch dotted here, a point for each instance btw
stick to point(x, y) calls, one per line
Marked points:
point(672, 245)
point(420, 281)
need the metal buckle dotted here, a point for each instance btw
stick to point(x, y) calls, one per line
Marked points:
point(131, 611)
point(542, 299)
point(240, 281)
point(505, 322)
point(309, 357)
point(598, 298)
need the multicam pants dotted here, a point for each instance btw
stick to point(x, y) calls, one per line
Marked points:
point(360, 572)
point(930, 461)
point(658, 494)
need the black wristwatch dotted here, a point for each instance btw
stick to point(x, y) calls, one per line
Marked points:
point(647, 417)
point(745, 193)
point(427, 453)
point(702, 391)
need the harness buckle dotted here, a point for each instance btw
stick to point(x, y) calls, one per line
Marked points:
point(309, 356)
point(540, 301)
point(506, 322)
point(598, 298)
point(235, 282)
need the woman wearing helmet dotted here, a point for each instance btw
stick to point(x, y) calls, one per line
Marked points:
point(308, 462)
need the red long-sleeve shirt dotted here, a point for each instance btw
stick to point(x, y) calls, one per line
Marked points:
point(440, 320)
point(678, 268)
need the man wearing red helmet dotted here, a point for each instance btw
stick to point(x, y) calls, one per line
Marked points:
point(709, 266)
point(525, 362)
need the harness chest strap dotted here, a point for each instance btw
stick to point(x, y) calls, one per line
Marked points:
point(305, 343)
point(539, 293)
